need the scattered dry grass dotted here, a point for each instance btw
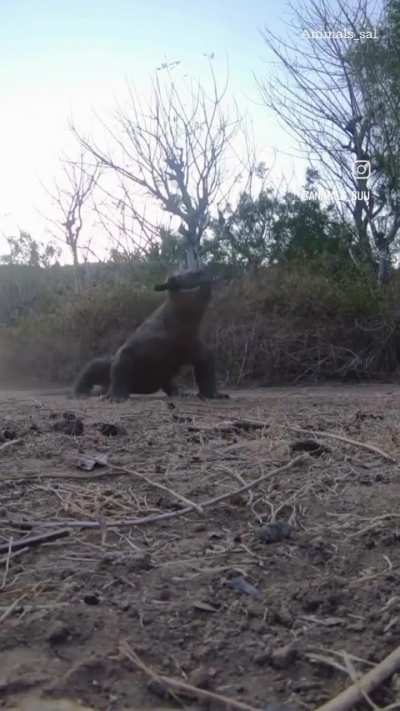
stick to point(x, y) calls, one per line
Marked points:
point(158, 541)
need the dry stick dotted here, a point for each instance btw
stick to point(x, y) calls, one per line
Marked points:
point(351, 670)
point(7, 566)
point(174, 514)
point(13, 555)
point(13, 605)
point(183, 686)
point(236, 476)
point(229, 425)
point(364, 445)
point(9, 443)
point(356, 692)
point(157, 485)
point(74, 477)
point(33, 540)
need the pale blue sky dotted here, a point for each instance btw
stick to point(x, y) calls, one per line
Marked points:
point(61, 58)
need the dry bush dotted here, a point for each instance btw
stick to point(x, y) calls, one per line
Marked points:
point(282, 325)
point(285, 326)
point(54, 346)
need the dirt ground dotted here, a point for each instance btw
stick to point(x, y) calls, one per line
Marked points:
point(275, 597)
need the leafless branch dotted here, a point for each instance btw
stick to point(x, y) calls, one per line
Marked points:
point(324, 98)
point(70, 197)
point(172, 151)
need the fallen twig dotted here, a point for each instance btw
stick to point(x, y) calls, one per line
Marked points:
point(9, 442)
point(347, 440)
point(12, 607)
point(31, 541)
point(367, 683)
point(157, 485)
point(12, 556)
point(7, 565)
point(79, 476)
point(174, 514)
point(230, 425)
point(182, 686)
point(238, 478)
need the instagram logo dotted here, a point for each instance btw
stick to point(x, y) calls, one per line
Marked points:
point(362, 169)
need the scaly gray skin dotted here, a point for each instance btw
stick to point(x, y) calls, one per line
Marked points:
point(98, 373)
point(153, 355)
point(185, 280)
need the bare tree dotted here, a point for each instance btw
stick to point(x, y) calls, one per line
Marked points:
point(324, 100)
point(130, 232)
point(376, 66)
point(70, 200)
point(172, 151)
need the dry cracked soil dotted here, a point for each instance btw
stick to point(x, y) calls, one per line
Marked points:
point(139, 570)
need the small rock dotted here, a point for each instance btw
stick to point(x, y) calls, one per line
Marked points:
point(69, 425)
point(283, 657)
point(203, 651)
point(88, 462)
point(74, 586)
point(199, 527)
point(165, 593)
point(284, 617)
point(215, 535)
point(358, 626)
point(263, 657)
point(124, 605)
point(238, 500)
point(313, 602)
point(157, 687)
point(91, 599)
point(274, 532)
point(255, 609)
point(9, 434)
point(108, 429)
point(304, 684)
point(319, 551)
point(58, 634)
point(202, 678)
point(239, 584)
point(311, 446)
point(204, 606)
point(258, 626)
point(138, 563)
point(69, 416)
